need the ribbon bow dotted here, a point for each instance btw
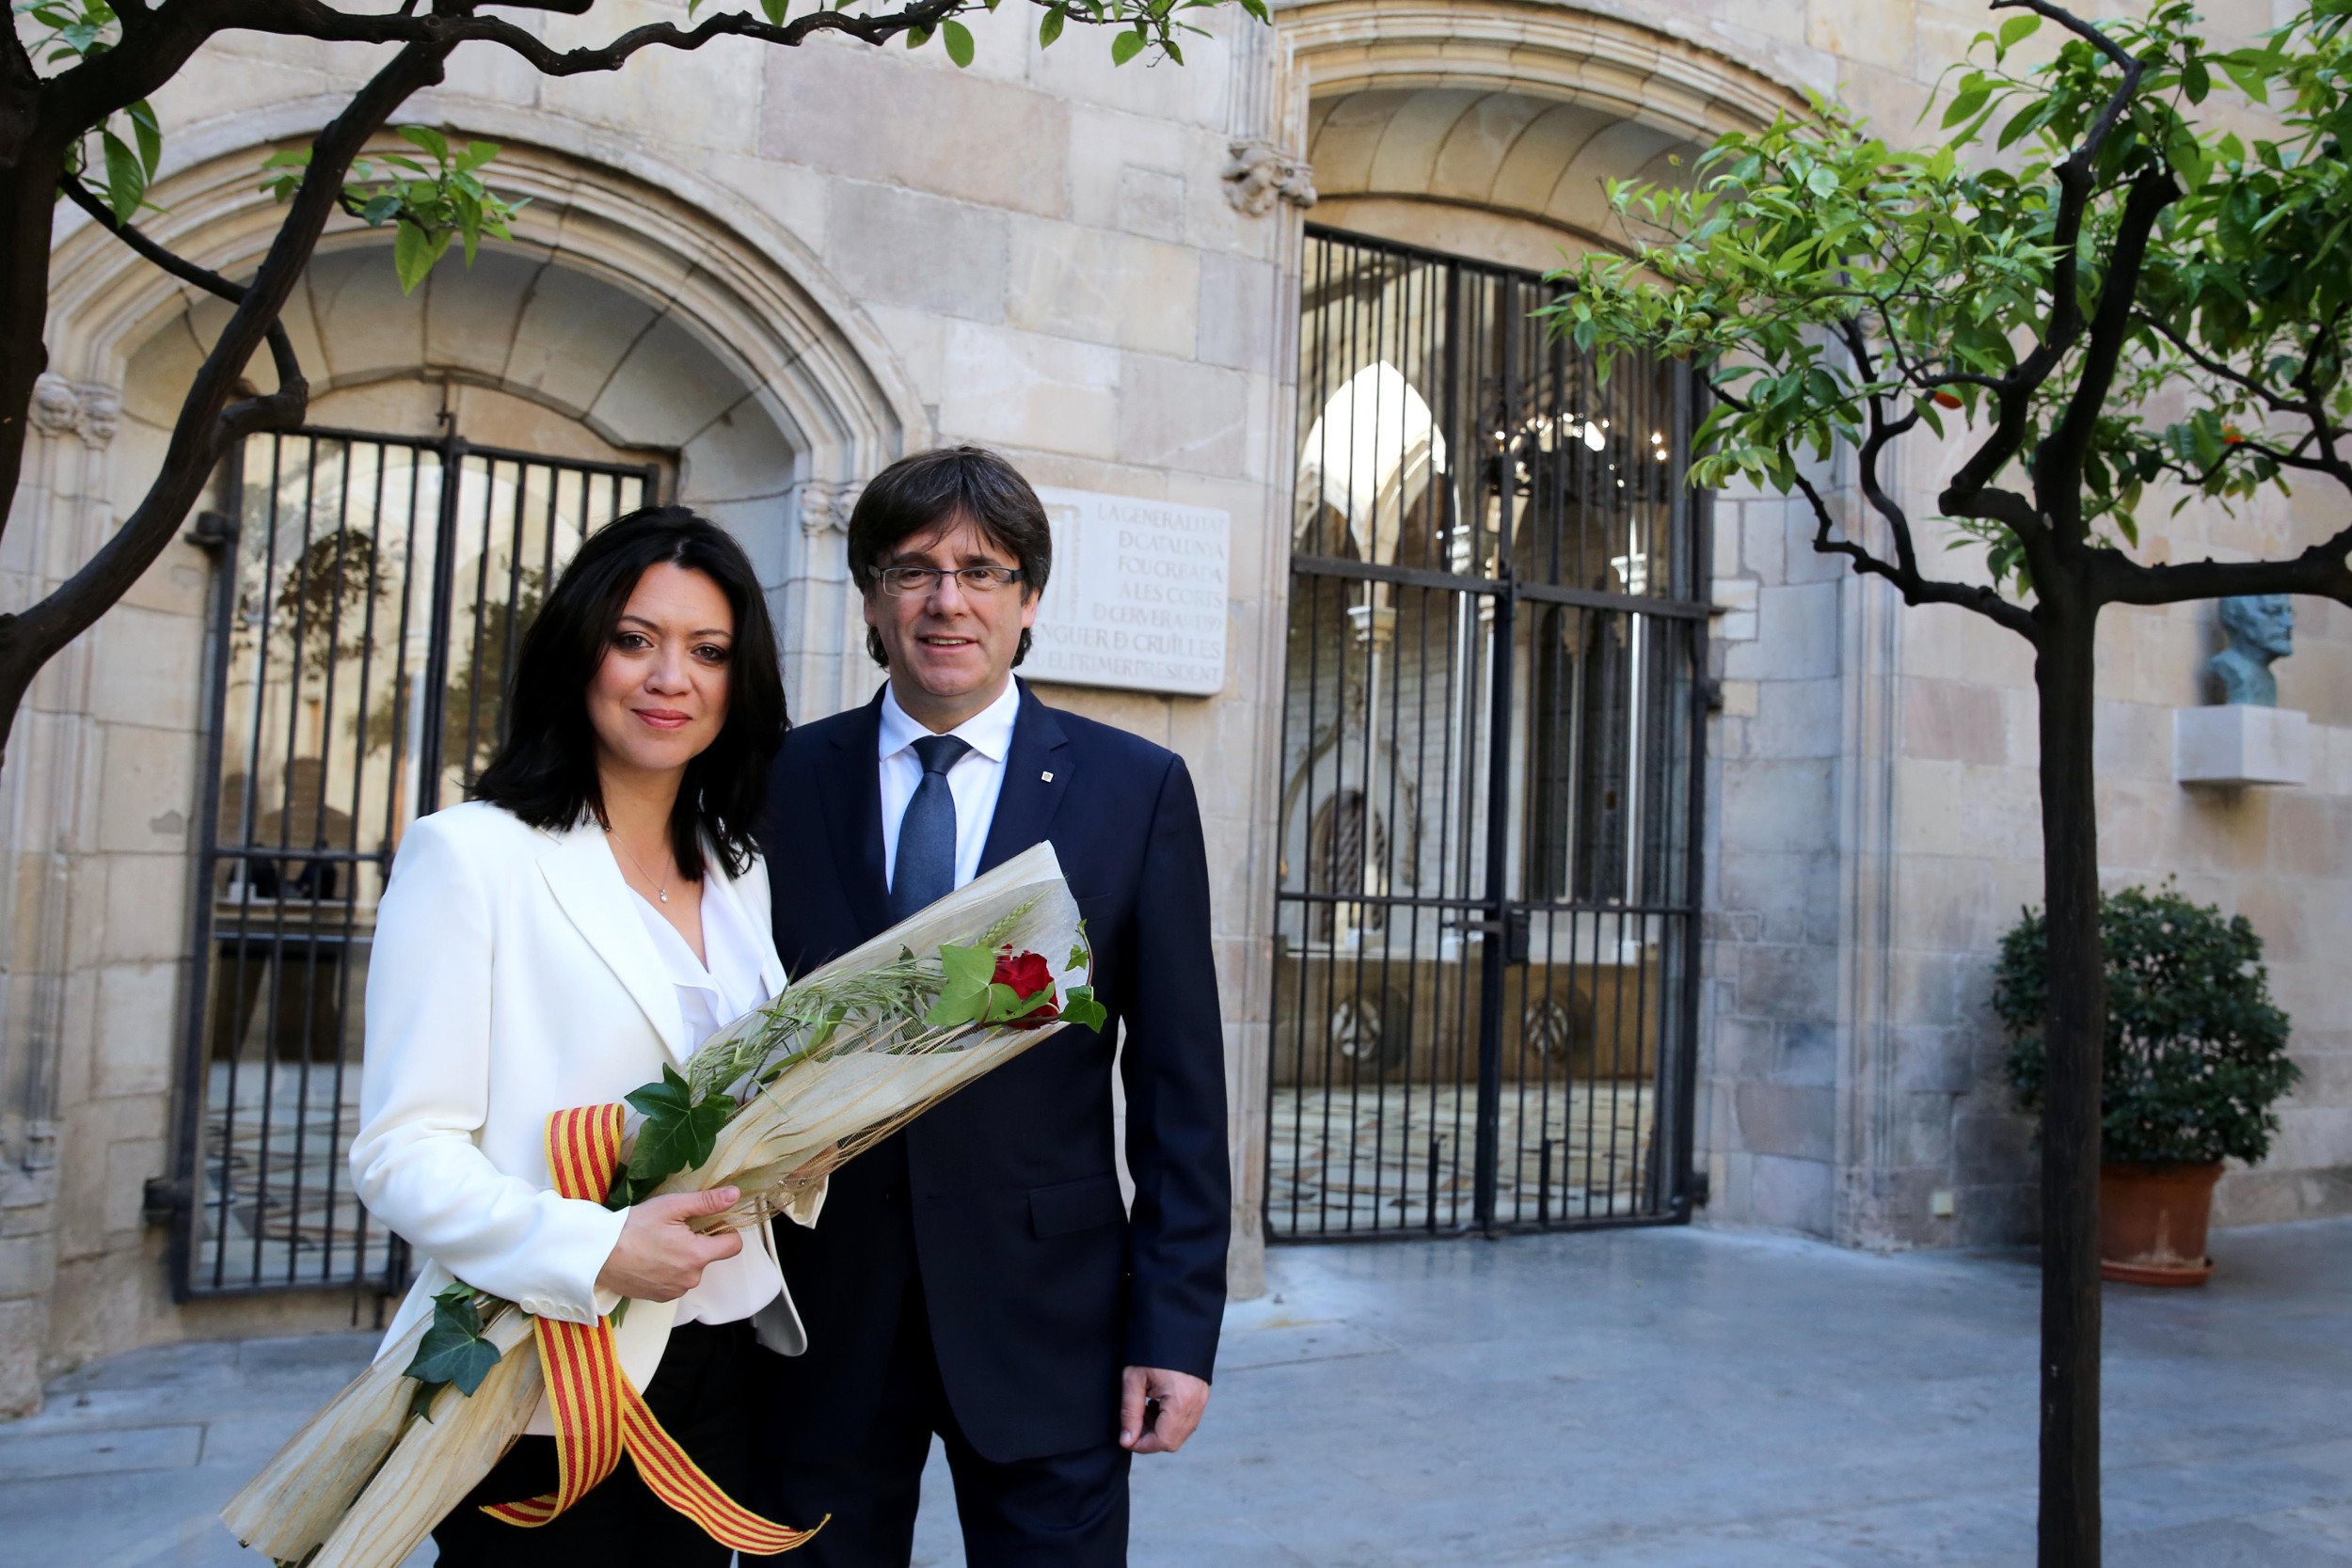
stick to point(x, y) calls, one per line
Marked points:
point(599, 1415)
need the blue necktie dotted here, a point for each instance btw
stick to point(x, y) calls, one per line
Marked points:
point(926, 869)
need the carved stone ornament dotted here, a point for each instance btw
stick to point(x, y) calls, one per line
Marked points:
point(825, 506)
point(1261, 174)
point(62, 409)
point(56, 407)
point(102, 414)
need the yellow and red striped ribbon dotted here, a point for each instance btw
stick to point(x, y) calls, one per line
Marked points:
point(598, 1414)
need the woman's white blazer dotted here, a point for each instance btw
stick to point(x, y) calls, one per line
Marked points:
point(511, 978)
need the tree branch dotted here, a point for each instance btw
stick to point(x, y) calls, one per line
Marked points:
point(1915, 588)
point(2059, 463)
point(208, 420)
point(281, 349)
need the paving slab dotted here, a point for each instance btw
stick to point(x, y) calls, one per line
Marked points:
point(1633, 1399)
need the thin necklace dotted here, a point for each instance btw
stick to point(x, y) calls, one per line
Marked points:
point(660, 888)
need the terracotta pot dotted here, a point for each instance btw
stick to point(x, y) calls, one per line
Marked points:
point(2152, 1220)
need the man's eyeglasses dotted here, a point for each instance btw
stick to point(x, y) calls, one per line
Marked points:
point(898, 581)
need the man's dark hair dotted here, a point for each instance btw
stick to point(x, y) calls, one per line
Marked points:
point(932, 490)
point(545, 771)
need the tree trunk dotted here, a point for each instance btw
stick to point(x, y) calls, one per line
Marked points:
point(28, 201)
point(2074, 1033)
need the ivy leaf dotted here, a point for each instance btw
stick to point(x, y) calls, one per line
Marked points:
point(1079, 1008)
point(679, 1131)
point(958, 38)
point(453, 1348)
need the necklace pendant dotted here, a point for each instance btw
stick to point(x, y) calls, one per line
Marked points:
point(665, 896)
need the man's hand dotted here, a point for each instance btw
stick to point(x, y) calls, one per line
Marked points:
point(1180, 1398)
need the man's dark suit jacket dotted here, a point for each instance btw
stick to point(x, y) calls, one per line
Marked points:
point(1038, 1288)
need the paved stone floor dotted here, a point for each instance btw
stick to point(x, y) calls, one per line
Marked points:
point(1652, 1398)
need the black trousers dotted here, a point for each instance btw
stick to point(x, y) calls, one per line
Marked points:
point(1063, 1511)
point(700, 1396)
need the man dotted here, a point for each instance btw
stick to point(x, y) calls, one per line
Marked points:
point(978, 1275)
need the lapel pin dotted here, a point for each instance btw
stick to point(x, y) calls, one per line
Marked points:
point(1047, 777)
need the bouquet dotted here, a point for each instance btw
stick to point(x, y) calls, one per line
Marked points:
point(771, 1105)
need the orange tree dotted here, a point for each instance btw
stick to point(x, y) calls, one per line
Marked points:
point(2085, 243)
point(77, 125)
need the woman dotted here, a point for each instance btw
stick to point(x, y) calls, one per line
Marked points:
point(593, 915)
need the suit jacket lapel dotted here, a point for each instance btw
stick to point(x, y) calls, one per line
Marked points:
point(587, 884)
point(852, 792)
point(1037, 771)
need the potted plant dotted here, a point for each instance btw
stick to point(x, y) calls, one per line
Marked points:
point(2196, 1060)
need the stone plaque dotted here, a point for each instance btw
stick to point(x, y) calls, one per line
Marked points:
point(1137, 598)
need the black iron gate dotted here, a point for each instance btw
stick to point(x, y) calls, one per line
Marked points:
point(368, 599)
point(1487, 926)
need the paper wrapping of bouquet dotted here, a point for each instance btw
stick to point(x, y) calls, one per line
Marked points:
point(599, 1414)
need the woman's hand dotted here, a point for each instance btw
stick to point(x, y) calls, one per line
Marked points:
point(659, 1257)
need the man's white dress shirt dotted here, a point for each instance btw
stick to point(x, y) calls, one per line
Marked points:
point(974, 780)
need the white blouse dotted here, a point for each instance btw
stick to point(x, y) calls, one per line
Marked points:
point(711, 998)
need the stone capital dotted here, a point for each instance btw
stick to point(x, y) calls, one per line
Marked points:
point(60, 407)
point(1260, 174)
point(825, 506)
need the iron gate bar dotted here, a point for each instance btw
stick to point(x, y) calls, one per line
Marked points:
point(1393, 322)
point(289, 957)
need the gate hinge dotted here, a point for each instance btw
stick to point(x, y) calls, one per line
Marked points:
point(213, 532)
point(165, 1197)
point(1698, 1188)
point(1711, 693)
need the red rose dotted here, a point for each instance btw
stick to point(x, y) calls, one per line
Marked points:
point(1026, 974)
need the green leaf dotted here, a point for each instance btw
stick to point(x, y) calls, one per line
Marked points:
point(126, 181)
point(917, 37)
point(1125, 47)
point(1257, 8)
point(964, 996)
point(958, 38)
point(2196, 81)
point(414, 251)
point(426, 138)
point(775, 11)
point(380, 209)
point(678, 1133)
point(1049, 29)
point(1079, 1008)
point(151, 136)
point(1967, 103)
point(453, 1348)
point(2015, 31)
point(298, 157)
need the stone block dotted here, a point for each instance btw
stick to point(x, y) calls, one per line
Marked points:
point(1179, 415)
point(366, 325)
point(1994, 1146)
point(739, 455)
point(1793, 983)
point(708, 97)
point(136, 1027)
point(1151, 202)
point(1783, 806)
point(471, 312)
point(573, 332)
point(145, 906)
point(1237, 312)
point(147, 791)
point(1104, 288)
point(905, 248)
point(145, 668)
point(2239, 744)
point(1800, 1123)
point(993, 144)
point(1799, 719)
point(1954, 720)
point(1793, 1195)
point(666, 389)
point(1015, 388)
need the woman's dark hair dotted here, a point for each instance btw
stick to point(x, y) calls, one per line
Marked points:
point(545, 771)
point(931, 490)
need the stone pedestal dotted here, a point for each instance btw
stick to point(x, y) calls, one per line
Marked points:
point(2241, 745)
